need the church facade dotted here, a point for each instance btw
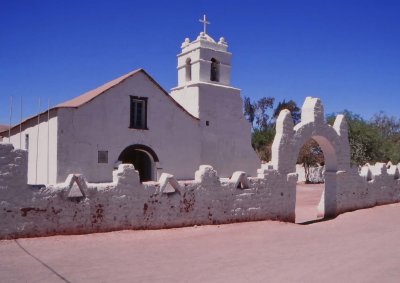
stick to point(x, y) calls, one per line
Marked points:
point(132, 119)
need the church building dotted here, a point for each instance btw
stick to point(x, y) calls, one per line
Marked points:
point(132, 119)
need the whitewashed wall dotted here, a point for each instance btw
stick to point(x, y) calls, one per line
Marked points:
point(226, 141)
point(125, 203)
point(103, 124)
point(42, 153)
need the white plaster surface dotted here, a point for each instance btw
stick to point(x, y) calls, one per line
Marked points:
point(42, 153)
point(125, 203)
point(172, 134)
point(226, 141)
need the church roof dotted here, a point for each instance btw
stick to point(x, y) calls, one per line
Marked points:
point(92, 94)
point(3, 128)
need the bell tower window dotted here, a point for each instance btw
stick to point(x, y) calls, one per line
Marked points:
point(188, 69)
point(214, 76)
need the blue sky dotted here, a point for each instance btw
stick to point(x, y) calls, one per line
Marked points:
point(345, 52)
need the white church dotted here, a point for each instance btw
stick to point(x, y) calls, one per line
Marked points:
point(132, 119)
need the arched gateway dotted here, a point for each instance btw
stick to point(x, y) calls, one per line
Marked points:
point(143, 158)
point(333, 141)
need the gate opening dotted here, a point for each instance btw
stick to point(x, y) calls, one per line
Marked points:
point(310, 168)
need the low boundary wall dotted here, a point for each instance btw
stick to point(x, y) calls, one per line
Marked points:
point(76, 206)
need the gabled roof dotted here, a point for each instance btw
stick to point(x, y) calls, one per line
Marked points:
point(92, 94)
point(3, 128)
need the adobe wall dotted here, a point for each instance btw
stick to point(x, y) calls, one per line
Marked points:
point(77, 206)
point(13, 170)
point(373, 185)
point(42, 143)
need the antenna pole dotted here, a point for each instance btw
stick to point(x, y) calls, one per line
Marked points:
point(48, 140)
point(37, 144)
point(9, 129)
point(20, 124)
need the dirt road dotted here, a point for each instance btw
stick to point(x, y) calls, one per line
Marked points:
point(361, 246)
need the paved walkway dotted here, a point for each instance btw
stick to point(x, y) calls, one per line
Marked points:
point(361, 246)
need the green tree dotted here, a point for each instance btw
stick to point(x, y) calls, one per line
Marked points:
point(388, 129)
point(387, 126)
point(292, 107)
point(310, 155)
point(262, 140)
point(365, 141)
point(262, 116)
point(249, 110)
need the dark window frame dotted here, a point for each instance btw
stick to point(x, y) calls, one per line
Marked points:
point(188, 70)
point(214, 70)
point(102, 156)
point(27, 142)
point(132, 123)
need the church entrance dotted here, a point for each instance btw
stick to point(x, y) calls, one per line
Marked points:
point(143, 158)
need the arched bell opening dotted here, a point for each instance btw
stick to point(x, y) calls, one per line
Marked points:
point(214, 72)
point(188, 70)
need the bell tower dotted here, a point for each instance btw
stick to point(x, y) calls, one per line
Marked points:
point(204, 60)
point(203, 64)
point(204, 70)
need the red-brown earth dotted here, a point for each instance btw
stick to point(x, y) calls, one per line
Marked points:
point(360, 246)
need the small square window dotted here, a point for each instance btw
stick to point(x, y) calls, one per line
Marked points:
point(207, 123)
point(102, 156)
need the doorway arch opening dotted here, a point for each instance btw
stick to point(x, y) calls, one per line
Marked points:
point(333, 141)
point(316, 188)
point(143, 158)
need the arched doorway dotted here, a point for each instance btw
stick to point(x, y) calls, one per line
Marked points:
point(310, 185)
point(143, 158)
point(333, 140)
point(327, 204)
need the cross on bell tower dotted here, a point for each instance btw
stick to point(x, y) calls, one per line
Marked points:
point(205, 23)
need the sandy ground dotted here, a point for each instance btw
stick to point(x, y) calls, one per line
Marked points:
point(361, 246)
point(307, 200)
